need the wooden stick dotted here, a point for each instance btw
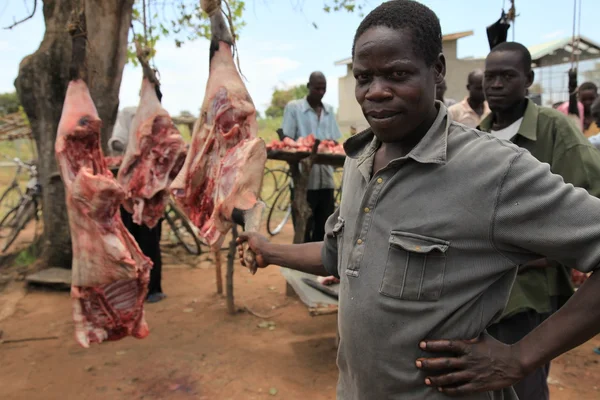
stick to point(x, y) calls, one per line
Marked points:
point(229, 274)
point(28, 339)
point(218, 272)
point(300, 205)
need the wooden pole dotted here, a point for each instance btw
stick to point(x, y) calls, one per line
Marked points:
point(229, 273)
point(300, 209)
point(218, 272)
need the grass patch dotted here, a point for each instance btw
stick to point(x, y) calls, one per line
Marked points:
point(27, 256)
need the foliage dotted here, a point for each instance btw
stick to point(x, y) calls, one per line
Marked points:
point(348, 5)
point(9, 103)
point(182, 20)
point(281, 97)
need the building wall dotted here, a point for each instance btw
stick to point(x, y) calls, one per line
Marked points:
point(457, 72)
point(349, 112)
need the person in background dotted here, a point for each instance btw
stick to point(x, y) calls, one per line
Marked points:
point(148, 239)
point(544, 286)
point(473, 108)
point(301, 118)
point(586, 95)
point(440, 91)
point(433, 223)
point(595, 112)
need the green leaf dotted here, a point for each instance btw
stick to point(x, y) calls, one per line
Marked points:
point(273, 391)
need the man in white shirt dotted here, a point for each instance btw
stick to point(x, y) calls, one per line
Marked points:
point(301, 118)
point(473, 108)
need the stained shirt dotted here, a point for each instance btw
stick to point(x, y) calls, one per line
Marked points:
point(429, 247)
point(120, 132)
point(552, 138)
point(300, 120)
point(462, 113)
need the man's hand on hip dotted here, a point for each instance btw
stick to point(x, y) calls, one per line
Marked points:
point(478, 365)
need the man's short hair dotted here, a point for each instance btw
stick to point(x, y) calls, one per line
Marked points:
point(588, 86)
point(415, 17)
point(517, 48)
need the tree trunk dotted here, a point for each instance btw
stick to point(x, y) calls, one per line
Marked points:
point(42, 84)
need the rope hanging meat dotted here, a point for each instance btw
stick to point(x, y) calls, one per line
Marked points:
point(77, 30)
point(212, 7)
point(144, 52)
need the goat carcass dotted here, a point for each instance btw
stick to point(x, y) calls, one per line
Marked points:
point(154, 156)
point(222, 175)
point(109, 272)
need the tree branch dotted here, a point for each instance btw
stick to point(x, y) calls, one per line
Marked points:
point(24, 19)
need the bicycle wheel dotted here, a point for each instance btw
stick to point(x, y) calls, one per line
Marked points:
point(281, 211)
point(24, 214)
point(183, 230)
point(269, 186)
point(10, 199)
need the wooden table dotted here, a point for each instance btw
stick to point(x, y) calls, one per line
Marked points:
point(300, 164)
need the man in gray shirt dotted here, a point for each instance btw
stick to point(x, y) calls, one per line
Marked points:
point(434, 221)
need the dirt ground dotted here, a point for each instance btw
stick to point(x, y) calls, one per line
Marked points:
point(196, 350)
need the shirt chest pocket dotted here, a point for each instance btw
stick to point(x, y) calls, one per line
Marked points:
point(338, 234)
point(415, 267)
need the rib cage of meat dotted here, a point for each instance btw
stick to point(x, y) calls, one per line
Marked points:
point(109, 272)
point(155, 154)
point(224, 166)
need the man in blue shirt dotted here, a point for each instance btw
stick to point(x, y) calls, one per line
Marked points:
point(301, 118)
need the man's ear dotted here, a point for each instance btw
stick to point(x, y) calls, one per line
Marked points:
point(530, 79)
point(439, 67)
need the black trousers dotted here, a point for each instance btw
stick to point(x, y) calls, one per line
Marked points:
point(149, 242)
point(322, 205)
point(511, 330)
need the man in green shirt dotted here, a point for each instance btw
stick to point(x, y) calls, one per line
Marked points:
point(543, 286)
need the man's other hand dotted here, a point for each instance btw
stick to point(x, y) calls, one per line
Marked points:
point(479, 365)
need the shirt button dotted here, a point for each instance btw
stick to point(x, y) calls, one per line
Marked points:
point(359, 241)
point(367, 210)
point(379, 180)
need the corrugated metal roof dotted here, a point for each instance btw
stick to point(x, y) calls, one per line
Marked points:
point(559, 51)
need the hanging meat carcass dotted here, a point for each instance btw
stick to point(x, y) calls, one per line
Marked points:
point(109, 272)
point(109, 279)
point(221, 179)
point(155, 154)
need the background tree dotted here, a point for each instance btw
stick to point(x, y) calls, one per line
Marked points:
point(281, 97)
point(43, 77)
point(9, 103)
point(42, 83)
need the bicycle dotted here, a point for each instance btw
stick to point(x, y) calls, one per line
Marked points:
point(15, 216)
point(183, 229)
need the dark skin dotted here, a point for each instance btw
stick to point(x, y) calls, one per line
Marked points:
point(440, 90)
point(587, 98)
point(317, 86)
point(475, 88)
point(505, 84)
point(595, 111)
point(395, 89)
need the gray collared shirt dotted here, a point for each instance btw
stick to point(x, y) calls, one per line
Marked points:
point(300, 120)
point(428, 248)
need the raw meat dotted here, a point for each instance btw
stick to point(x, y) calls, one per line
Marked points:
point(305, 144)
point(224, 166)
point(155, 154)
point(109, 272)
